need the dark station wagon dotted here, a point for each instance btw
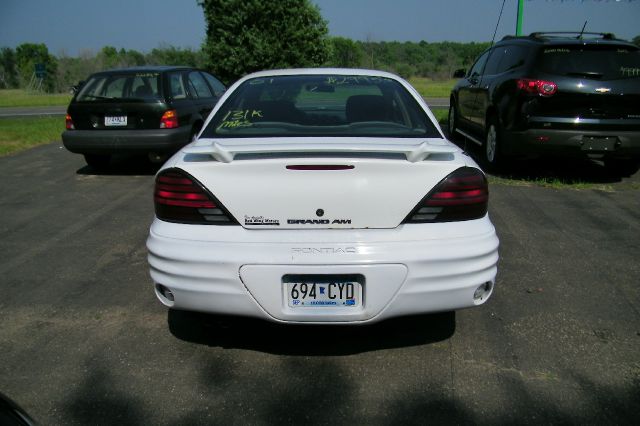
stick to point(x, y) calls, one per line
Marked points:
point(145, 110)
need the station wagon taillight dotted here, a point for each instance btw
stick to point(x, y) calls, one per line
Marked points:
point(463, 195)
point(537, 87)
point(169, 120)
point(69, 123)
point(180, 198)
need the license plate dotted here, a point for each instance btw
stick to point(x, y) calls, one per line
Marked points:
point(120, 120)
point(323, 293)
point(599, 144)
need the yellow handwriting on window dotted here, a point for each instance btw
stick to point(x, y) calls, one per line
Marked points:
point(239, 118)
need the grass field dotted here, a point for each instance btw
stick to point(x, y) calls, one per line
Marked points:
point(17, 134)
point(22, 98)
point(432, 89)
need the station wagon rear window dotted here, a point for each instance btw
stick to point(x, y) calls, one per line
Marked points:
point(321, 105)
point(101, 87)
point(592, 61)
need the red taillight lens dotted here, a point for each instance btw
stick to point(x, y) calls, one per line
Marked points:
point(169, 120)
point(463, 195)
point(537, 87)
point(179, 198)
point(69, 123)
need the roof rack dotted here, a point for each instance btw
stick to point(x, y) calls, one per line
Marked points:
point(562, 34)
point(578, 34)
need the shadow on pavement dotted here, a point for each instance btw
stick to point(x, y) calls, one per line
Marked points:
point(567, 171)
point(316, 340)
point(123, 165)
point(562, 170)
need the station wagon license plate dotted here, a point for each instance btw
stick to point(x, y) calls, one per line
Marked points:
point(113, 121)
point(330, 294)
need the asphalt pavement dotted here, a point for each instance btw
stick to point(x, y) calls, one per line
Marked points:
point(83, 339)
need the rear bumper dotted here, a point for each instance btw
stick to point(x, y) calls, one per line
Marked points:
point(573, 143)
point(116, 141)
point(413, 269)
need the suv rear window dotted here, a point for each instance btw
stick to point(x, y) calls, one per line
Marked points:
point(597, 62)
point(141, 85)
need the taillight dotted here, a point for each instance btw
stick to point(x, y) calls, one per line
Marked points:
point(463, 195)
point(537, 87)
point(169, 120)
point(69, 123)
point(180, 198)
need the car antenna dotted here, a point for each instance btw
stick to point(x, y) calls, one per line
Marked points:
point(497, 23)
point(582, 32)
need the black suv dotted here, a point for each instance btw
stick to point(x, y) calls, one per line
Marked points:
point(149, 110)
point(564, 94)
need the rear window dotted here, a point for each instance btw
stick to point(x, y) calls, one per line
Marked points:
point(591, 61)
point(320, 105)
point(141, 85)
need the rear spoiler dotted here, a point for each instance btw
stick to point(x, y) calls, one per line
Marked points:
point(225, 153)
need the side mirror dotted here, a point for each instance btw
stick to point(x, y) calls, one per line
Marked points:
point(460, 73)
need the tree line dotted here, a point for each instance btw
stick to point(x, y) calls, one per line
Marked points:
point(408, 59)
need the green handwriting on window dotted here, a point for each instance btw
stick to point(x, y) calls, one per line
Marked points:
point(339, 80)
point(630, 72)
point(239, 118)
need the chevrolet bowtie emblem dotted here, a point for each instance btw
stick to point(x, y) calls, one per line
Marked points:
point(603, 90)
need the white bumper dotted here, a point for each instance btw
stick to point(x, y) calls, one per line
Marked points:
point(412, 269)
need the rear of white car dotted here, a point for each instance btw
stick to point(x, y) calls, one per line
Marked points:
point(322, 196)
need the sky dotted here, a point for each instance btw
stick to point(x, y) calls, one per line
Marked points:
point(71, 27)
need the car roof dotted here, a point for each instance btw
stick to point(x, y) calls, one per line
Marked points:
point(321, 71)
point(147, 68)
point(567, 38)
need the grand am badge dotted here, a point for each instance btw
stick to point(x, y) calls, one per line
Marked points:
point(323, 250)
point(318, 221)
point(260, 221)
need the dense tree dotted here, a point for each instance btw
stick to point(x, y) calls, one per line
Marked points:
point(344, 52)
point(8, 69)
point(636, 40)
point(30, 54)
point(250, 35)
point(170, 55)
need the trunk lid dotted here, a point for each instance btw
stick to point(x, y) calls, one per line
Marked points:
point(139, 114)
point(309, 183)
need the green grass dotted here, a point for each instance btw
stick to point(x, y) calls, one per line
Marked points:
point(22, 98)
point(432, 89)
point(441, 116)
point(18, 134)
point(558, 183)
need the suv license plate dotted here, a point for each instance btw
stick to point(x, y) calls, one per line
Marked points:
point(115, 120)
point(599, 144)
point(338, 294)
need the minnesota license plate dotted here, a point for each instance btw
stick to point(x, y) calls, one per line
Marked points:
point(120, 120)
point(323, 293)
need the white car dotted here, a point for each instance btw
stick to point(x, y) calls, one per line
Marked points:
point(322, 196)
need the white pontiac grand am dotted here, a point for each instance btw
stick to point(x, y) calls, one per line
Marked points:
point(322, 196)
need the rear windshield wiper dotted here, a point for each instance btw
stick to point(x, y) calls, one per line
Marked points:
point(588, 74)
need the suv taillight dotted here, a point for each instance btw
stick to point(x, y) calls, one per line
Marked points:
point(69, 123)
point(179, 198)
point(537, 87)
point(169, 119)
point(463, 195)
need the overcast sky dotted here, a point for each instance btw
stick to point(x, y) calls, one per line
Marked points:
point(70, 26)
